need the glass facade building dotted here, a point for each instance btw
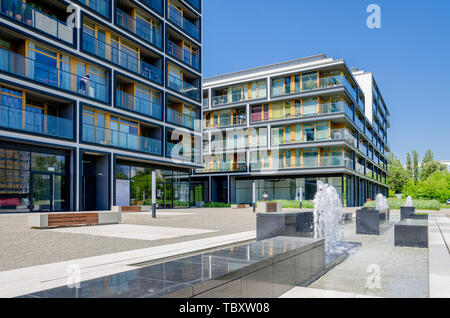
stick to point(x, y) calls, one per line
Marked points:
point(288, 125)
point(87, 113)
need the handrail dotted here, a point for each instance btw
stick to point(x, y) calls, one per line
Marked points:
point(175, 16)
point(110, 137)
point(112, 54)
point(17, 64)
point(138, 104)
point(29, 15)
point(12, 118)
point(184, 87)
point(178, 52)
point(185, 120)
point(134, 26)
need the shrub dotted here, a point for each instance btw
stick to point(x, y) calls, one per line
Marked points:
point(217, 205)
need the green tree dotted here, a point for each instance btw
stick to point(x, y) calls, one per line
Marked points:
point(398, 176)
point(415, 166)
point(430, 167)
point(436, 186)
point(409, 167)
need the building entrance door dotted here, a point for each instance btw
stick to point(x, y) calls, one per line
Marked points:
point(42, 192)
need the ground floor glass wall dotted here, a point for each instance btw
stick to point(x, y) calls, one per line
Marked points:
point(32, 181)
point(285, 188)
point(134, 186)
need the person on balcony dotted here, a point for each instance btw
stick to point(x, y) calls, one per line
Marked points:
point(84, 84)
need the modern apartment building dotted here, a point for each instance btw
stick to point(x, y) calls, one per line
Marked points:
point(88, 112)
point(288, 125)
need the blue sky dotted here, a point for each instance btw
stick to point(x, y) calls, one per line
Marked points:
point(409, 55)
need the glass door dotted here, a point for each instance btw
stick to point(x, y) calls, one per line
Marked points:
point(42, 192)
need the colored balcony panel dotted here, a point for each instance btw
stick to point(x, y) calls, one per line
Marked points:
point(53, 68)
point(49, 21)
point(141, 24)
point(20, 110)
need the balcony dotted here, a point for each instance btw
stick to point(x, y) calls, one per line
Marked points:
point(109, 137)
point(306, 163)
point(224, 167)
point(309, 85)
point(28, 121)
point(154, 4)
point(184, 120)
point(139, 27)
point(182, 155)
point(20, 65)
point(99, 6)
point(121, 58)
point(206, 102)
point(183, 55)
point(307, 111)
point(36, 19)
point(235, 98)
point(139, 105)
point(184, 87)
point(190, 28)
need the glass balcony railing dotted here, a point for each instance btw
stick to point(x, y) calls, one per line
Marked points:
point(235, 98)
point(154, 4)
point(30, 121)
point(29, 15)
point(183, 154)
point(139, 27)
point(308, 85)
point(306, 163)
point(185, 120)
point(100, 6)
point(307, 111)
point(183, 55)
point(184, 88)
point(20, 65)
point(122, 58)
point(109, 137)
point(227, 121)
point(140, 105)
point(224, 167)
point(176, 17)
point(205, 102)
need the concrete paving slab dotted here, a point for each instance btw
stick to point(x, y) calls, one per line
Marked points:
point(134, 232)
point(439, 257)
point(28, 280)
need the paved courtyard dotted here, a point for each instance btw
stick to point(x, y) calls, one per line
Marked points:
point(21, 246)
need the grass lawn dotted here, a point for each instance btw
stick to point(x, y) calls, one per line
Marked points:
point(295, 204)
point(395, 204)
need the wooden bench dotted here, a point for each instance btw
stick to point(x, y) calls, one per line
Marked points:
point(68, 219)
point(72, 219)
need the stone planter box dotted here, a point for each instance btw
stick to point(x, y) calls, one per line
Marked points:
point(70, 219)
point(411, 233)
point(293, 224)
point(406, 212)
point(269, 207)
point(371, 221)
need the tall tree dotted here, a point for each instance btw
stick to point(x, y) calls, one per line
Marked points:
point(409, 167)
point(415, 166)
point(398, 176)
point(429, 166)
